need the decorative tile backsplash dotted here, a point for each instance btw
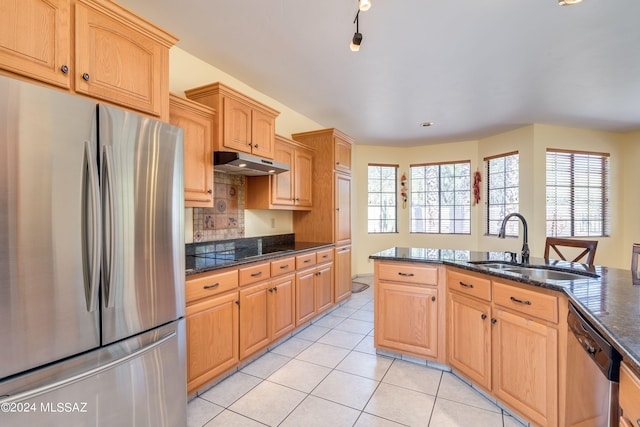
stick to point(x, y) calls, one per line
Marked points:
point(226, 219)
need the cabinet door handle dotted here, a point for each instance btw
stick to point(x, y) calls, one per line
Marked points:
point(255, 146)
point(493, 321)
point(215, 285)
point(466, 285)
point(275, 290)
point(483, 317)
point(400, 273)
point(64, 69)
point(433, 299)
point(282, 267)
point(238, 302)
point(271, 289)
point(85, 77)
point(210, 191)
point(519, 301)
point(258, 274)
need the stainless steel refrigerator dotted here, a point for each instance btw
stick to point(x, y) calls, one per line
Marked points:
point(91, 263)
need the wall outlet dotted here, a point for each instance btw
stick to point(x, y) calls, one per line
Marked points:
point(273, 223)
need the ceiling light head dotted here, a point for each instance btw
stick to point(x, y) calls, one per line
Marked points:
point(355, 42)
point(568, 2)
point(364, 5)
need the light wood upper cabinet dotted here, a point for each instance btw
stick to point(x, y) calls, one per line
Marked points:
point(342, 154)
point(118, 56)
point(35, 39)
point(291, 190)
point(242, 124)
point(197, 122)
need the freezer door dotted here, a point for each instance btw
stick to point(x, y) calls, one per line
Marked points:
point(48, 302)
point(139, 382)
point(141, 164)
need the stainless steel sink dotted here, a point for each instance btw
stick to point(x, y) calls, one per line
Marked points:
point(536, 272)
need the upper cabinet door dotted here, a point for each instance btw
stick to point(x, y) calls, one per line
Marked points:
point(342, 155)
point(263, 133)
point(282, 192)
point(35, 39)
point(197, 122)
point(236, 134)
point(303, 177)
point(118, 63)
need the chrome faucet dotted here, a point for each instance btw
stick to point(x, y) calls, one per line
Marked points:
point(525, 237)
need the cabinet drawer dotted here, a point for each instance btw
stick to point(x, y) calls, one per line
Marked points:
point(306, 260)
point(469, 285)
point(283, 266)
point(325, 255)
point(528, 302)
point(629, 394)
point(254, 273)
point(408, 273)
point(207, 284)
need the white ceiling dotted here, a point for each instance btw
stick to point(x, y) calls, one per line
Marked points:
point(473, 67)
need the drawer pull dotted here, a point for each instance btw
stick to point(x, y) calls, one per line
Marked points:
point(405, 274)
point(282, 267)
point(215, 285)
point(325, 256)
point(519, 301)
point(258, 274)
point(307, 260)
point(466, 285)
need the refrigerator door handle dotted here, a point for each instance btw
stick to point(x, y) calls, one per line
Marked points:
point(91, 236)
point(55, 385)
point(108, 203)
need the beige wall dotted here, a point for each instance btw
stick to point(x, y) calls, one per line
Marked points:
point(531, 142)
point(186, 72)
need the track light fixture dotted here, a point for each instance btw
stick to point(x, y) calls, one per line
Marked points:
point(357, 37)
point(364, 5)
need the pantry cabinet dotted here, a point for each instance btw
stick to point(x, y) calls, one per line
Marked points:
point(242, 123)
point(117, 56)
point(197, 122)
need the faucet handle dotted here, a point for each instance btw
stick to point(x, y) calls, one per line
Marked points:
point(512, 255)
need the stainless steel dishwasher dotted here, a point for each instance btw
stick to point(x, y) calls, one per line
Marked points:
point(593, 373)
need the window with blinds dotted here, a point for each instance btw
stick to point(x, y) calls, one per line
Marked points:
point(503, 191)
point(577, 194)
point(441, 198)
point(382, 199)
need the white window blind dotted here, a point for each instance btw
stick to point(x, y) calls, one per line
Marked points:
point(503, 191)
point(577, 194)
point(441, 198)
point(382, 199)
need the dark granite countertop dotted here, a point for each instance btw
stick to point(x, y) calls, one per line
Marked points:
point(209, 256)
point(611, 302)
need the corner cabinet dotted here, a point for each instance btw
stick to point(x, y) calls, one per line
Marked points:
point(242, 124)
point(291, 190)
point(407, 309)
point(197, 122)
point(117, 56)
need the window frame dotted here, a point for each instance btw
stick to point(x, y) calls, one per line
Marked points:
point(413, 192)
point(512, 229)
point(395, 198)
point(574, 169)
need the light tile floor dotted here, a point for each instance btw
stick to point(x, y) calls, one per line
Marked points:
point(329, 375)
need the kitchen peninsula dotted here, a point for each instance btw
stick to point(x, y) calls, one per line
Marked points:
point(506, 332)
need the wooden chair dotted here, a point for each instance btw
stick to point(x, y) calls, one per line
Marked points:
point(588, 245)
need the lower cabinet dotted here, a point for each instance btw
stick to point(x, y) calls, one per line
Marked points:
point(342, 282)
point(281, 306)
point(505, 339)
point(629, 397)
point(212, 339)
point(314, 292)
point(324, 287)
point(409, 322)
point(254, 310)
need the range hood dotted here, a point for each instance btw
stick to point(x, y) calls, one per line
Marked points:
point(246, 164)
